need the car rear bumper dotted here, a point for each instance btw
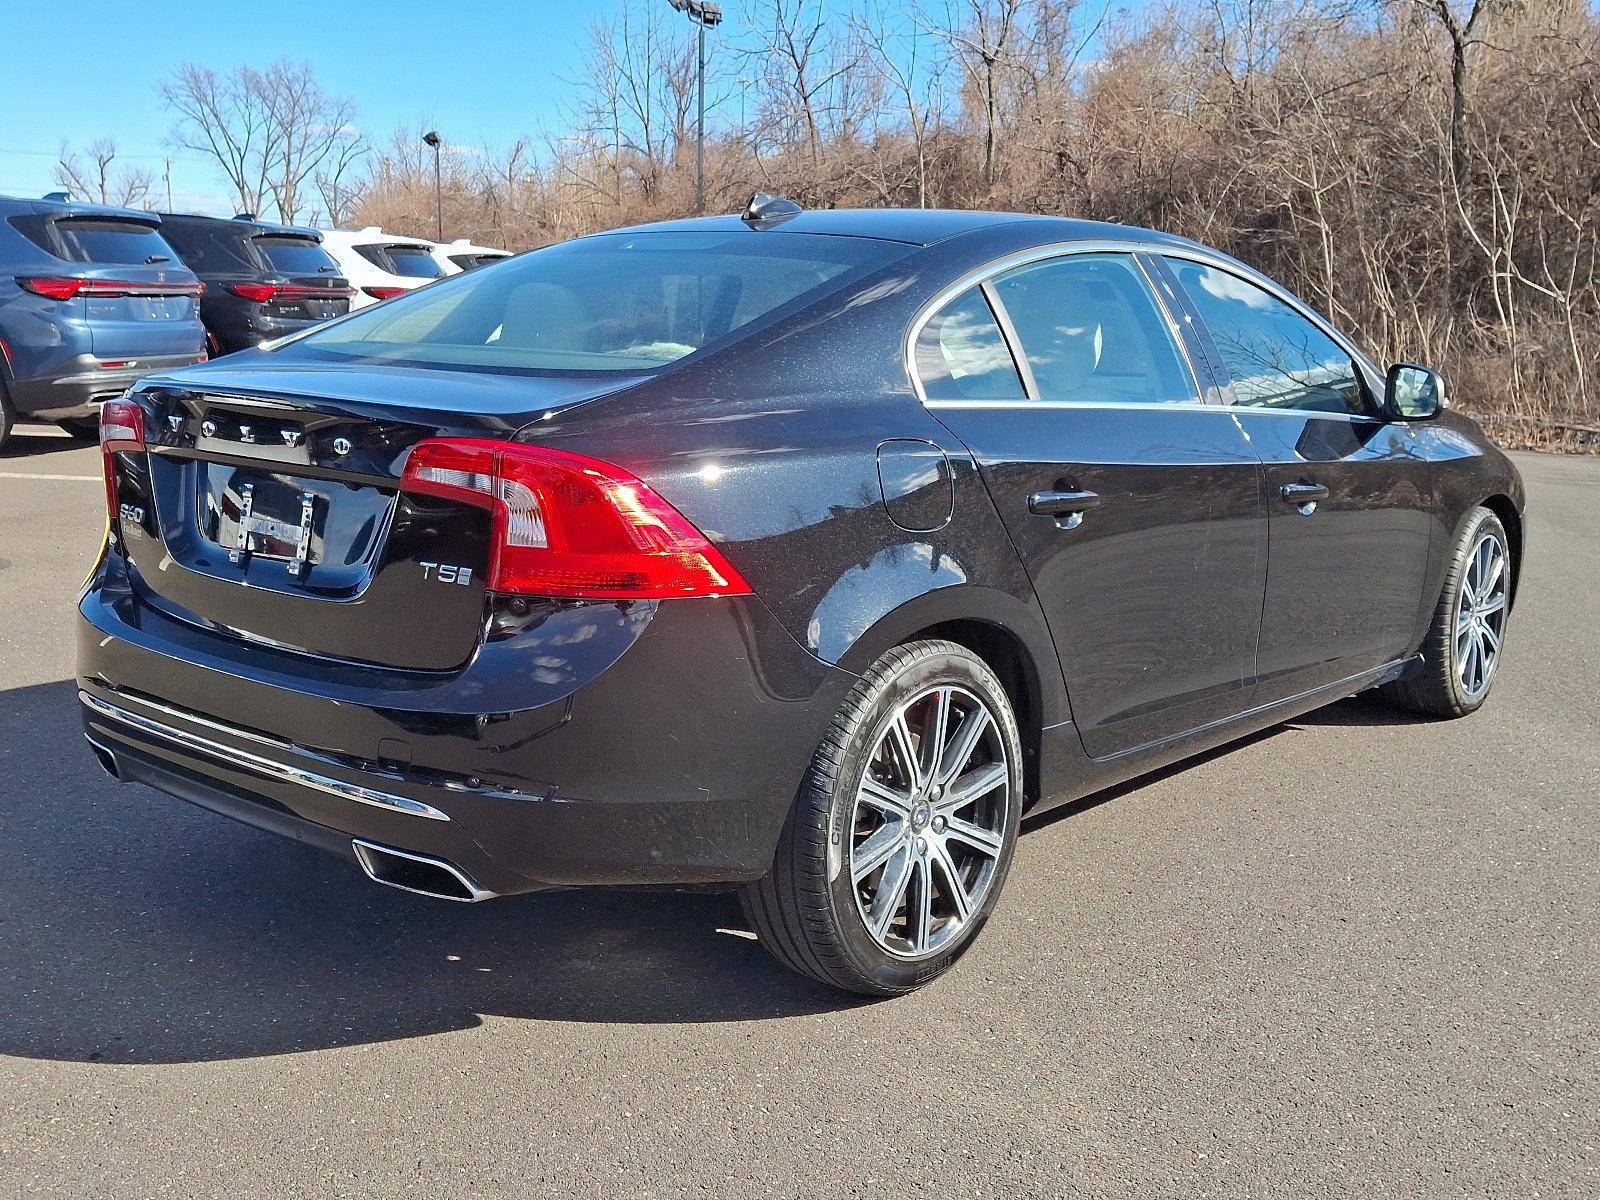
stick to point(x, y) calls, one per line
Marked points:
point(676, 765)
point(250, 325)
point(82, 385)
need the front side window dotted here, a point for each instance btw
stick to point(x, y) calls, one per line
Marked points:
point(962, 355)
point(613, 302)
point(1277, 358)
point(1092, 331)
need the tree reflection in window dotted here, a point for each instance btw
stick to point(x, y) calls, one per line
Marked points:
point(1276, 357)
point(961, 354)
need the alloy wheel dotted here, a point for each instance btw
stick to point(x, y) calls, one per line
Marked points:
point(929, 819)
point(1481, 614)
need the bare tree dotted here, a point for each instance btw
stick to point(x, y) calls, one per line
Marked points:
point(271, 131)
point(93, 178)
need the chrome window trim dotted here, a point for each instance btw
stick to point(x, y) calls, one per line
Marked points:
point(985, 273)
point(983, 277)
point(232, 756)
point(1171, 406)
point(1012, 339)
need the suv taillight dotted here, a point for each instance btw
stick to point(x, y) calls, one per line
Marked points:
point(65, 287)
point(260, 293)
point(121, 429)
point(566, 525)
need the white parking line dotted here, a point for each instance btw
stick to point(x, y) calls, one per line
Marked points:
point(54, 478)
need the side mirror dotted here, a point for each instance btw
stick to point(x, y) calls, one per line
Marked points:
point(1413, 393)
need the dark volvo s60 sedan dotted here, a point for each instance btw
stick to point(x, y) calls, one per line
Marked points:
point(798, 552)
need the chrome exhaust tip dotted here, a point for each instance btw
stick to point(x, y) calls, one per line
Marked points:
point(419, 873)
point(106, 759)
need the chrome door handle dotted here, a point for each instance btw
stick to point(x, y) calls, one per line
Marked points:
point(1066, 507)
point(1062, 504)
point(1303, 493)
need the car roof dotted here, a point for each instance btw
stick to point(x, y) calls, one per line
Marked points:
point(372, 235)
point(461, 245)
point(918, 226)
point(78, 208)
point(255, 227)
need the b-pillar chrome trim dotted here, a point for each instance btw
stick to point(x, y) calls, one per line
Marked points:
point(232, 756)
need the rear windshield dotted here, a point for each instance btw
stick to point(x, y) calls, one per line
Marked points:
point(209, 247)
point(295, 256)
point(468, 262)
point(414, 262)
point(619, 302)
point(97, 240)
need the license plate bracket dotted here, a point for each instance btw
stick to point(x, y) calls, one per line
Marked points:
point(274, 523)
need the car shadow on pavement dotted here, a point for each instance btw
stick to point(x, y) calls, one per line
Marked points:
point(138, 929)
point(39, 441)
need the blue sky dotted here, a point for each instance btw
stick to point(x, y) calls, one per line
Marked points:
point(481, 71)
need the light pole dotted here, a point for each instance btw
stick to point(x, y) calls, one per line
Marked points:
point(431, 138)
point(704, 15)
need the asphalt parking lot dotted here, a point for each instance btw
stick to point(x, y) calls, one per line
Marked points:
point(1355, 956)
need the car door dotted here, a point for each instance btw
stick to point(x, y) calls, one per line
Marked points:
point(1137, 507)
point(1348, 493)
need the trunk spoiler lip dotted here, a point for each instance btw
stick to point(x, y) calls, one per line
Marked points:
point(497, 405)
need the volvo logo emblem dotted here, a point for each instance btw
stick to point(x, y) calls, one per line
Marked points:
point(208, 428)
point(341, 446)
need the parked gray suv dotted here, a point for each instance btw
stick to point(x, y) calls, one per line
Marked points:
point(91, 299)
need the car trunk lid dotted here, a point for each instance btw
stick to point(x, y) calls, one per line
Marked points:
point(268, 507)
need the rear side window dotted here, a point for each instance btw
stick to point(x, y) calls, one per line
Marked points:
point(413, 262)
point(1278, 359)
point(207, 247)
point(1092, 331)
point(98, 240)
point(608, 303)
point(295, 256)
point(962, 355)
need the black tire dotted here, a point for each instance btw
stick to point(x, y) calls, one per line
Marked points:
point(810, 912)
point(1438, 688)
point(8, 416)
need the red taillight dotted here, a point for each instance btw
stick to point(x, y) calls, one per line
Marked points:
point(65, 287)
point(121, 428)
point(384, 292)
point(55, 289)
point(565, 525)
point(262, 292)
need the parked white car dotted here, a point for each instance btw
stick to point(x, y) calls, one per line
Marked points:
point(462, 255)
point(380, 265)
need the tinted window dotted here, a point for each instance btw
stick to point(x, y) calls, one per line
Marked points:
point(96, 240)
point(962, 355)
point(468, 262)
point(1277, 358)
point(207, 247)
point(1091, 330)
point(295, 256)
point(609, 303)
point(414, 262)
